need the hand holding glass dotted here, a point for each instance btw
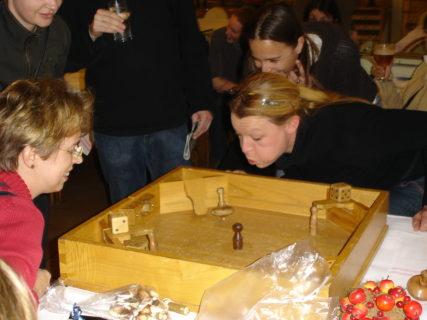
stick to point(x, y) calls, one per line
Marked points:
point(383, 55)
point(120, 8)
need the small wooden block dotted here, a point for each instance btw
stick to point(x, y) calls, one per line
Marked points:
point(340, 192)
point(119, 223)
point(116, 239)
point(137, 242)
point(148, 233)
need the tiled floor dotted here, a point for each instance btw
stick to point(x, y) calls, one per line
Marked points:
point(83, 196)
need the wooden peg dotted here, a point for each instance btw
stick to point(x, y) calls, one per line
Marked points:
point(237, 237)
point(313, 220)
point(222, 209)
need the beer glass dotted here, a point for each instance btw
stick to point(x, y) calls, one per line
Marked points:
point(383, 55)
point(120, 8)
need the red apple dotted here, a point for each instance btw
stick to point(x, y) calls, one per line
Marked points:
point(346, 316)
point(359, 311)
point(384, 302)
point(385, 285)
point(398, 293)
point(344, 303)
point(371, 285)
point(412, 309)
point(357, 296)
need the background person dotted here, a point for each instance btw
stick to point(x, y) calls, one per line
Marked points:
point(407, 95)
point(147, 89)
point(41, 123)
point(227, 58)
point(315, 136)
point(34, 41)
point(16, 300)
point(322, 11)
point(418, 34)
point(319, 55)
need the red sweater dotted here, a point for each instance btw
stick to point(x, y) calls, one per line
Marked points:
point(21, 227)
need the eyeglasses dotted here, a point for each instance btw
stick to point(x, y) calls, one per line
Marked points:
point(77, 151)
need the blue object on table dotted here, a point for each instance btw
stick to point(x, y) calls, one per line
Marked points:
point(76, 313)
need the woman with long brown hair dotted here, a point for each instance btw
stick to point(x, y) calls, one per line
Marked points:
point(317, 136)
point(315, 54)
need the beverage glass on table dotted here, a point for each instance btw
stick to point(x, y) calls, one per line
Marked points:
point(120, 7)
point(383, 55)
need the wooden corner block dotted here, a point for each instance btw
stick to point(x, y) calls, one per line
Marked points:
point(119, 222)
point(340, 192)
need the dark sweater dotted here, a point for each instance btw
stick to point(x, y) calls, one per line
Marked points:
point(362, 145)
point(25, 54)
point(338, 67)
point(153, 82)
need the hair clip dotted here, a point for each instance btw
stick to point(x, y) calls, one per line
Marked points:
point(268, 102)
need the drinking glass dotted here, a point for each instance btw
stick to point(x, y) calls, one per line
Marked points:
point(121, 8)
point(383, 55)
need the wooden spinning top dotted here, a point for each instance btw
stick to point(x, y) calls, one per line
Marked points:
point(222, 209)
point(237, 237)
point(417, 286)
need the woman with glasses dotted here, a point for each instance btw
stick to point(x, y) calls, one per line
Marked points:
point(41, 122)
point(317, 136)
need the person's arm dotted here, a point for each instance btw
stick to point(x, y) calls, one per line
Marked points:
point(105, 21)
point(85, 48)
point(42, 282)
point(216, 63)
point(197, 79)
point(222, 85)
point(388, 91)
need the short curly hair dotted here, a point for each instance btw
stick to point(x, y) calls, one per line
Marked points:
point(41, 114)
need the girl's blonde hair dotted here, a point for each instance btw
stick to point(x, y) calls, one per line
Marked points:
point(16, 300)
point(40, 113)
point(275, 97)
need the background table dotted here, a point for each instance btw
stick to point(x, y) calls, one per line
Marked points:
point(402, 254)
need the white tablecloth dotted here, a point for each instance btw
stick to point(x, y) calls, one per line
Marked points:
point(402, 254)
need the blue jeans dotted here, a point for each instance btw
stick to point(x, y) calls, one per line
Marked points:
point(406, 198)
point(125, 160)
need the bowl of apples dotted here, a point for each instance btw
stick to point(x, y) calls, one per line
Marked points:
point(381, 300)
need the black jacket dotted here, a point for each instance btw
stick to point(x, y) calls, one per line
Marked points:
point(360, 144)
point(338, 67)
point(25, 54)
point(153, 82)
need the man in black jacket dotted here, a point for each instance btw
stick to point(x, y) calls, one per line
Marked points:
point(146, 88)
point(33, 41)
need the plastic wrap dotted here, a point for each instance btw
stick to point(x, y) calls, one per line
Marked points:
point(282, 285)
point(132, 302)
